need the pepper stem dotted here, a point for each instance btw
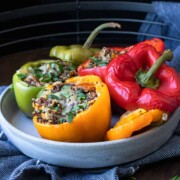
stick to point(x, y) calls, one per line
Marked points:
point(147, 79)
point(96, 31)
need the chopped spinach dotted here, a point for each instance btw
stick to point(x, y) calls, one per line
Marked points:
point(65, 87)
point(65, 94)
point(52, 96)
point(62, 120)
point(70, 116)
point(81, 95)
point(98, 61)
point(46, 77)
point(75, 108)
point(21, 76)
point(83, 105)
point(37, 73)
point(61, 68)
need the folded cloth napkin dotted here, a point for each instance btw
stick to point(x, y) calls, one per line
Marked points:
point(16, 166)
point(167, 13)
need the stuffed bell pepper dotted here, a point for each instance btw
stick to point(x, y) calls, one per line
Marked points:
point(32, 76)
point(75, 111)
point(97, 64)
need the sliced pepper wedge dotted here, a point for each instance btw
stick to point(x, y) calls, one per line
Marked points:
point(134, 121)
point(87, 126)
point(24, 93)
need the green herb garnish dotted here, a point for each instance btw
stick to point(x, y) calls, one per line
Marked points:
point(83, 105)
point(62, 120)
point(21, 76)
point(38, 73)
point(81, 95)
point(52, 96)
point(47, 77)
point(65, 87)
point(65, 94)
point(98, 61)
point(70, 116)
point(175, 178)
point(75, 108)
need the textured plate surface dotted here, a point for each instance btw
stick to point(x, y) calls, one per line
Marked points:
point(21, 132)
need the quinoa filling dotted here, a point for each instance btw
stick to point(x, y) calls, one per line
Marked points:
point(104, 57)
point(63, 102)
point(47, 73)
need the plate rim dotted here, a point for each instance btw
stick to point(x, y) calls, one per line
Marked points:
point(96, 154)
point(88, 144)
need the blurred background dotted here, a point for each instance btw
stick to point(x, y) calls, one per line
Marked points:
point(8, 5)
point(38, 25)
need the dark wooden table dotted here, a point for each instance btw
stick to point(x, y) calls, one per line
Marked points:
point(163, 170)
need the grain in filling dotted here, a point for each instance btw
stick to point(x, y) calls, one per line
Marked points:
point(63, 102)
point(47, 73)
point(104, 57)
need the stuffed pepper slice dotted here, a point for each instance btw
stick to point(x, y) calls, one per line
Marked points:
point(72, 111)
point(32, 76)
point(97, 65)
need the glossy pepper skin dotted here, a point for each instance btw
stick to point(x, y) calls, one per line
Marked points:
point(157, 43)
point(134, 121)
point(23, 92)
point(125, 89)
point(77, 54)
point(73, 53)
point(87, 126)
point(100, 71)
point(97, 71)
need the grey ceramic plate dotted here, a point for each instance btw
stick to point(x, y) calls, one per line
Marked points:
point(21, 132)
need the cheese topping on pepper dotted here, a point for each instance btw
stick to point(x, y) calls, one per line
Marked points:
point(59, 103)
point(45, 73)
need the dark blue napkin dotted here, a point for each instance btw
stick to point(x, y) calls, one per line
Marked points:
point(167, 13)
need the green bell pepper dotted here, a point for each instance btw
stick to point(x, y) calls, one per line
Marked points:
point(33, 76)
point(77, 54)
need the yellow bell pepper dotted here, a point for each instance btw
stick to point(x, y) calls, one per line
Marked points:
point(134, 121)
point(87, 126)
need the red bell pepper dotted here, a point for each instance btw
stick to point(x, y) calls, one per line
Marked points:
point(157, 43)
point(97, 64)
point(138, 80)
